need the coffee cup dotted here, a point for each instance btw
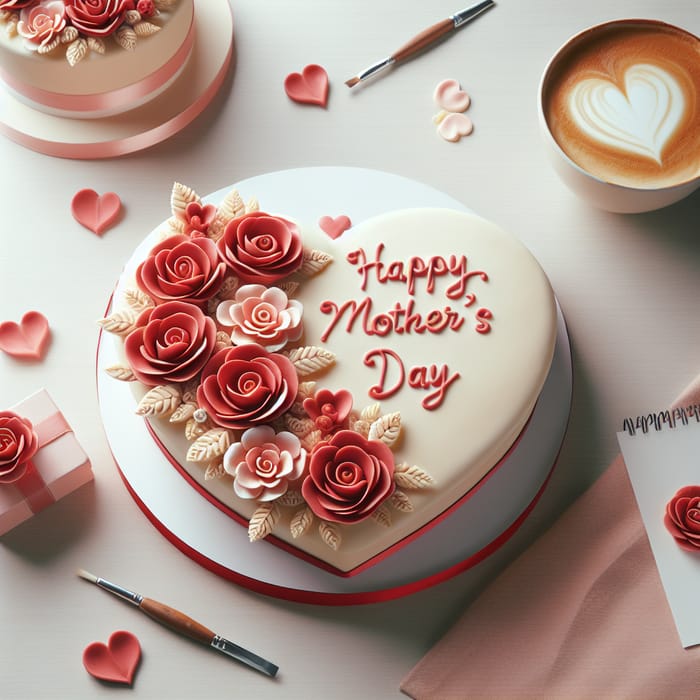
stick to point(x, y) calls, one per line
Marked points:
point(619, 110)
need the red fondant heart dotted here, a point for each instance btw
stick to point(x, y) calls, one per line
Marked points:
point(308, 87)
point(115, 661)
point(334, 227)
point(96, 212)
point(26, 340)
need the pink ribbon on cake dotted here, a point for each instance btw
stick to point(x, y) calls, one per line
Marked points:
point(106, 101)
point(30, 483)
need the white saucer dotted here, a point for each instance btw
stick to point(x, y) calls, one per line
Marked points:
point(473, 530)
point(145, 126)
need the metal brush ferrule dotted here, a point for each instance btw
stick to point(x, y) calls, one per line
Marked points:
point(124, 593)
point(462, 17)
point(376, 67)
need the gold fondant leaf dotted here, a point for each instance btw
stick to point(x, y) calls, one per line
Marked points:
point(69, 34)
point(386, 428)
point(299, 426)
point(306, 390)
point(195, 429)
point(313, 262)
point(263, 520)
point(371, 413)
point(179, 199)
point(308, 442)
point(310, 359)
point(119, 323)
point(76, 51)
point(121, 372)
point(146, 28)
point(183, 412)
point(253, 205)
point(137, 300)
point(212, 444)
point(214, 470)
point(400, 501)
point(223, 340)
point(330, 534)
point(160, 401)
point(411, 477)
point(291, 498)
point(382, 516)
point(11, 29)
point(125, 36)
point(289, 288)
point(132, 16)
point(176, 226)
point(301, 521)
point(96, 44)
point(231, 208)
point(360, 426)
point(48, 48)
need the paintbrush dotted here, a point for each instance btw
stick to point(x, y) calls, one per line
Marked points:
point(423, 40)
point(179, 622)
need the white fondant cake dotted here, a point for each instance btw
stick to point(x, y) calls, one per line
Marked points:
point(92, 59)
point(418, 343)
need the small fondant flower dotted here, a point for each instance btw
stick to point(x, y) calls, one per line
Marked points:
point(172, 343)
point(198, 218)
point(182, 268)
point(682, 518)
point(96, 18)
point(261, 315)
point(39, 24)
point(264, 462)
point(349, 477)
point(261, 248)
point(245, 386)
point(18, 444)
point(146, 8)
point(329, 411)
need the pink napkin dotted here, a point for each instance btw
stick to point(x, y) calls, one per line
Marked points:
point(580, 614)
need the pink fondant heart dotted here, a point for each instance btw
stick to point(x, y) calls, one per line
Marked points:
point(96, 212)
point(450, 97)
point(334, 227)
point(26, 340)
point(115, 661)
point(308, 87)
point(454, 126)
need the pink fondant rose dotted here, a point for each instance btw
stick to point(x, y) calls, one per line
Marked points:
point(172, 343)
point(97, 18)
point(261, 248)
point(198, 218)
point(182, 268)
point(18, 444)
point(261, 315)
point(329, 411)
point(682, 518)
point(349, 477)
point(264, 462)
point(39, 24)
point(245, 386)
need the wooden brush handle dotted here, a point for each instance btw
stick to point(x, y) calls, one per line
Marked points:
point(176, 621)
point(424, 39)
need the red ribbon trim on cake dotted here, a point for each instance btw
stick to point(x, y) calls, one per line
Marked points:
point(31, 484)
point(106, 101)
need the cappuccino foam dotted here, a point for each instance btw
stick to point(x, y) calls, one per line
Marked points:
point(623, 102)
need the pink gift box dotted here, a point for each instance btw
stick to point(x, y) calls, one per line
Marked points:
point(60, 464)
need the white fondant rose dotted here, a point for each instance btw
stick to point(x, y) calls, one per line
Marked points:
point(39, 24)
point(261, 315)
point(264, 462)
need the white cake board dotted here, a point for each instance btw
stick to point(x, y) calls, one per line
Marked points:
point(140, 128)
point(210, 537)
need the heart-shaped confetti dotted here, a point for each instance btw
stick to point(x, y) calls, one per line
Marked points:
point(94, 211)
point(453, 126)
point(115, 661)
point(28, 339)
point(450, 96)
point(334, 227)
point(308, 87)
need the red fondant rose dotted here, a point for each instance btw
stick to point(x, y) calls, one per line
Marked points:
point(245, 386)
point(172, 342)
point(18, 444)
point(349, 477)
point(96, 17)
point(181, 268)
point(329, 411)
point(682, 518)
point(261, 248)
point(40, 23)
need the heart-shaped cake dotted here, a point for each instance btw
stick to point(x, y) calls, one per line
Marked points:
point(335, 395)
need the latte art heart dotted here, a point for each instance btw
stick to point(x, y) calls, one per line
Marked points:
point(639, 119)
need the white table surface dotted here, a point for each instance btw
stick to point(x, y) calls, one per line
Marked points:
point(628, 285)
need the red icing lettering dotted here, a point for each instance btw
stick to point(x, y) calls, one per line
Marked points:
point(483, 316)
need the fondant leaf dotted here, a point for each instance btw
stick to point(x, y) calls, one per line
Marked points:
point(310, 359)
point(183, 412)
point(371, 413)
point(125, 36)
point(231, 208)
point(214, 470)
point(48, 48)
point(160, 401)
point(299, 426)
point(411, 477)
point(180, 197)
point(165, 4)
point(76, 51)
point(306, 390)
point(121, 372)
point(313, 262)
point(289, 288)
point(400, 501)
point(10, 28)
point(229, 287)
point(212, 444)
point(194, 429)
point(263, 521)
point(137, 300)
point(253, 205)
point(360, 426)
point(119, 323)
point(308, 442)
point(291, 498)
point(146, 28)
point(69, 34)
point(382, 516)
point(301, 521)
point(132, 16)
point(223, 340)
point(386, 428)
point(96, 44)
point(330, 534)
